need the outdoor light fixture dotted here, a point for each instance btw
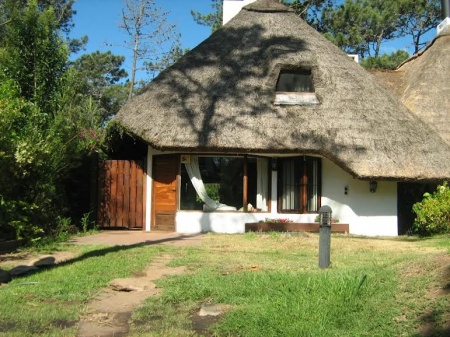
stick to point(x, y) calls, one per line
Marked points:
point(373, 186)
point(274, 164)
point(324, 236)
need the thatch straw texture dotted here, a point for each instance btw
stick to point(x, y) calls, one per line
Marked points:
point(219, 98)
point(423, 85)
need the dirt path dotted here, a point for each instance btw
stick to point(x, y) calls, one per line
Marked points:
point(109, 314)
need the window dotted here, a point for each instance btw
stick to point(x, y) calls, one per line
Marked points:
point(224, 183)
point(295, 82)
point(299, 180)
point(295, 88)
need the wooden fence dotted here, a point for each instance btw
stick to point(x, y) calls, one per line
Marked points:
point(120, 194)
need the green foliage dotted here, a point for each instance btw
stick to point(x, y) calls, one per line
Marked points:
point(433, 212)
point(310, 10)
point(96, 75)
point(360, 26)
point(86, 222)
point(214, 19)
point(385, 61)
point(34, 55)
point(417, 18)
point(48, 125)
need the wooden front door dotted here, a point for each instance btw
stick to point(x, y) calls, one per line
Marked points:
point(165, 171)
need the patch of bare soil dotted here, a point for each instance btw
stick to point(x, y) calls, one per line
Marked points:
point(109, 314)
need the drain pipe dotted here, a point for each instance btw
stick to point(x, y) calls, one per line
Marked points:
point(445, 9)
point(445, 24)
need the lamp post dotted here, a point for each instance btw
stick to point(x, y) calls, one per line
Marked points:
point(324, 236)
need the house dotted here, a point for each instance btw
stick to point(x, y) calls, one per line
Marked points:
point(268, 119)
point(422, 85)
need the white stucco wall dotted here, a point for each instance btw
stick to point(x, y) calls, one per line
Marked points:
point(227, 222)
point(367, 213)
point(232, 7)
point(370, 214)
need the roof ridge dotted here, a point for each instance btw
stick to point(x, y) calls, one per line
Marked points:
point(270, 6)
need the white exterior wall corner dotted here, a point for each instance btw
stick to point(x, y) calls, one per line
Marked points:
point(370, 214)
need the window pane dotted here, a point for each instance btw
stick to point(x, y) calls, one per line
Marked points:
point(313, 184)
point(295, 82)
point(299, 184)
point(258, 183)
point(222, 179)
point(290, 196)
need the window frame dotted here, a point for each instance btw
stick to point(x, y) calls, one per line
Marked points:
point(245, 182)
point(303, 183)
point(296, 97)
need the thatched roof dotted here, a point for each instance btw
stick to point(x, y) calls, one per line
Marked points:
point(219, 98)
point(423, 84)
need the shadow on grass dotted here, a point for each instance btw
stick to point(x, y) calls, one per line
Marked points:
point(432, 324)
point(103, 252)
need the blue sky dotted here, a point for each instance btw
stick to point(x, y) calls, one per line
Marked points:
point(99, 19)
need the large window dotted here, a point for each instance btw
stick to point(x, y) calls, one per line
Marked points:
point(224, 183)
point(299, 184)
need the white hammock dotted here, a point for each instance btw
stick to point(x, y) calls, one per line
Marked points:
point(193, 171)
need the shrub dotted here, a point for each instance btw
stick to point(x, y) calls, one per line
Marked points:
point(433, 212)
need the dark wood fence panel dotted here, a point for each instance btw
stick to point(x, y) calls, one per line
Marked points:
point(121, 194)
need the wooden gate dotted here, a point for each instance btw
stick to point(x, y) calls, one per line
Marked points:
point(121, 194)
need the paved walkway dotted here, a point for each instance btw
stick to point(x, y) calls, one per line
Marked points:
point(111, 237)
point(127, 238)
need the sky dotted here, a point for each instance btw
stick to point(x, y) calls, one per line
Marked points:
point(99, 20)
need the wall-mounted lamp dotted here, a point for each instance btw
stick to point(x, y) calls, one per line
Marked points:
point(373, 186)
point(346, 190)
point(274, 164)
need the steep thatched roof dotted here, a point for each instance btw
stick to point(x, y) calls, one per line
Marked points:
point(423, 84)
point(219, 98)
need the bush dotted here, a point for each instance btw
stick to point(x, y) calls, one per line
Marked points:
point(433, 212)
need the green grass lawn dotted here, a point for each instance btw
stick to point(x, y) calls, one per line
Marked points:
point(271, 284)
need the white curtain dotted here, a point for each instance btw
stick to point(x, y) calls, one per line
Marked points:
point(262, 187)
point(193, 171)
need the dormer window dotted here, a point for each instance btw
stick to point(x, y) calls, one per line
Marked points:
point(295, 88)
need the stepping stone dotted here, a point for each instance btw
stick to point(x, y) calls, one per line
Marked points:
point(211, 309)
point(44, 261)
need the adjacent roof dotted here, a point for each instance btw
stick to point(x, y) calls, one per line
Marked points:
point(423, 84)
point(219, 98)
